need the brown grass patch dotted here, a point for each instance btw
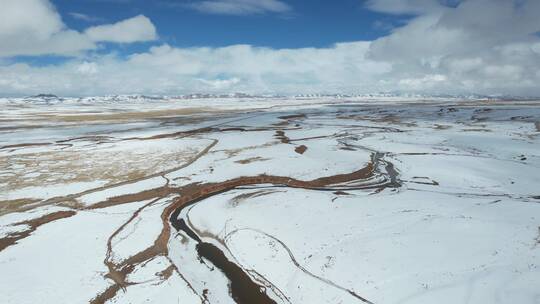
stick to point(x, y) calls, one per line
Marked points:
point(124, 115)
point(17, 205)
point(251, 160)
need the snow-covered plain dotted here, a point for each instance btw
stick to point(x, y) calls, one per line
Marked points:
point(449, 211)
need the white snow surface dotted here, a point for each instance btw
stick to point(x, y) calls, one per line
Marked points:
point(461, 223)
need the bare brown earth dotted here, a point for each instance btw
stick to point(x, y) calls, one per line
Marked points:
point(240, 198)
point(25, 145)
point(70, 200)
point(124, 115)
point(250, 160)
point(15, 205)
point(293, 116)
point(167, 273)
point(441, 127)
point(300, 149)
point(280, 134)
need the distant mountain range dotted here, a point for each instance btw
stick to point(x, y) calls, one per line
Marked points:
point(48, 98)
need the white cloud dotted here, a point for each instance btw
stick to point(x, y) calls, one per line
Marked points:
point(476, 46)
point(87, 68)
point(168, 70)
point(240, 7)
point(220, 84)
point(485, 46)
point(84, 17)
point(422, 83)
point(34, 27)
point(30, 17)
point(135, 29)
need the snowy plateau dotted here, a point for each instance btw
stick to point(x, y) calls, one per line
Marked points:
point(247, 199)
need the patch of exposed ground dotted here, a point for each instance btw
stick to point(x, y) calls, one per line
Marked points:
point(476, 130)
point(165, 274)
point(25, 145)
point(16, 205)
point(251, 160)
point(442, 127)
point(386, 119)
point(123, 116)
point(293, 116)
point(235, 201)
point(70, 201)
point(235, 152)
point(282, 137)
point(300, 149)
point(71, 166)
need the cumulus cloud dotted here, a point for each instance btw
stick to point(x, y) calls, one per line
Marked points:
point(168, 70)
point(135, 29)
point(478, 45)
point(32, 17)
point(240, 7)
point(87, 68)
point(220, 84)
point(446, 46)
point(34, 27)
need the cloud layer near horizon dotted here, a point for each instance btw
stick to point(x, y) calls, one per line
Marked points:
point(474, 46)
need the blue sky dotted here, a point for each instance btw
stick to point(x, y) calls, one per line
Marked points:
point(97, 47)
point(308, 23)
